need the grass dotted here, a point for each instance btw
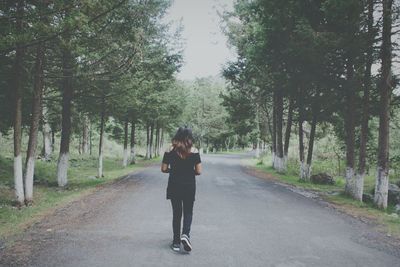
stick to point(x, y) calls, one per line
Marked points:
point(387, 221)
point(47, 196)
point(233, 152)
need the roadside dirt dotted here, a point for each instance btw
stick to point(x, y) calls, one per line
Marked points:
point(18, 249)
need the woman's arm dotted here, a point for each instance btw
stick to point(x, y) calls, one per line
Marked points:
point(164, 168)
point(197, 169)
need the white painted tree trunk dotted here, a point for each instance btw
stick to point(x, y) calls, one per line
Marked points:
point(358, 186)
point(280, 164)
point(285, 160)
point(257, 154)
point(133, 155)
point(381, 188)
point(125, 159)
point(100, 166)
point(18, 179)
point(349, 176)
point(148, 151)
point(308, 170)
point(47, 148)
point(302, 172)
point(30, 170)
point(17, 88)
point(305, 171)
point(62, 169)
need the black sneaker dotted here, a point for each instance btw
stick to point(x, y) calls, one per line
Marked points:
point(186, 243)
point(175, 246)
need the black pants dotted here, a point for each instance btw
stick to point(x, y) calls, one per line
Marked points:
point(177, 216)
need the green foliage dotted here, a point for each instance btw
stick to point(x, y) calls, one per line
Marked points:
point(206, 116)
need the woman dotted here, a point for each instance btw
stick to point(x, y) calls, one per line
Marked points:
point(182, 162)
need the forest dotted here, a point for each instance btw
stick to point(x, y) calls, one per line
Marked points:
point(74, 70)
point(313, 85)
point(322, 74)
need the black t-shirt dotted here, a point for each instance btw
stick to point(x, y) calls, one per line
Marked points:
point(182, 181)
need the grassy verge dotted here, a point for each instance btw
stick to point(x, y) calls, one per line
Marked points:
point(47, 196)
point(386, 221)
point(233, 152)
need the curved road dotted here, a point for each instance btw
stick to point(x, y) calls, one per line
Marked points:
point(239, 220)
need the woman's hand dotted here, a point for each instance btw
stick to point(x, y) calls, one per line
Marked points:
point(197, 169)
point(164, 168)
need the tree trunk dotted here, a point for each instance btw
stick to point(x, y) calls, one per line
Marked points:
point(349, 118)
point(133, 156)
point(90, 140)
point(53, 140)
point(46, 130)
point(147, 141)
point(158, 141)
point(273, 130)
point(307, 167)
point(67, 94)
point(151, 140)
point(359, 177)
point(279, 163)
point(125, 159)
point(269, 124)
point(288, 130)
point(161, 140)
point(18, 68)
point(303, 169)
point(101, 141)
point(80, 145)
point(257, 147)
point(385, 91)
point(85, 135)
point(34, 128)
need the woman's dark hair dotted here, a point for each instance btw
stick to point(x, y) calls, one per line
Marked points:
point(183, 142)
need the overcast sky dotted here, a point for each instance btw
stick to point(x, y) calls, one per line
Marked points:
point(205, 45)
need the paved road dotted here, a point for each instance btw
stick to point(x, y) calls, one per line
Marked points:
point(239, 220)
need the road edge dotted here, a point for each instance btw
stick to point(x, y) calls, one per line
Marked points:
point(390, 242)
point(8, 241)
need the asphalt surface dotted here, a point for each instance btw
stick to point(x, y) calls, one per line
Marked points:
point(239, 220)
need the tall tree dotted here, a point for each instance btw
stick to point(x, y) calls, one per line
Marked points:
point(36, 113)
point(67, 96)
point(17, 85)
point(385, 92)
point(370, 36)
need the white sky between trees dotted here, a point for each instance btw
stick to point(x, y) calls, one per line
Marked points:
point(205, 45)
